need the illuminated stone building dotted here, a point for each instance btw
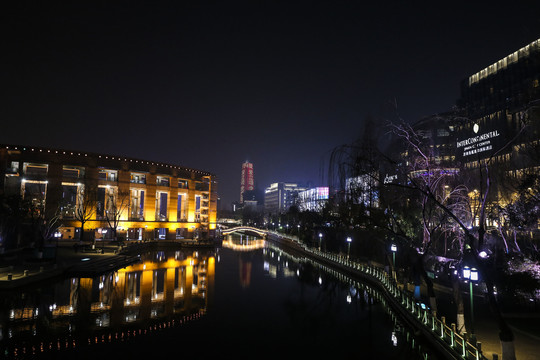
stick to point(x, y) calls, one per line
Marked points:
point(142, 199)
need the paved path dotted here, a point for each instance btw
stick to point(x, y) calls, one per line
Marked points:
point(525, 326)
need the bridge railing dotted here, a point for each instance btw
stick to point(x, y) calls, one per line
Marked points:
point(243, 228)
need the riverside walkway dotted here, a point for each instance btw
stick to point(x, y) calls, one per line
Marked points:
point(450, 343)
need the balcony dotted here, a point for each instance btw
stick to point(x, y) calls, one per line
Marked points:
point(162, 182)
point(138, 181)
point(202, 186)
point(107, 176)
point(182, 184)
point(72, 172)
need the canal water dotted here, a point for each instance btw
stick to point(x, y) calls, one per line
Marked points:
point(247, 298)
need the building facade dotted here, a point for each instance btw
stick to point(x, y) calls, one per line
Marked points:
point(499, 101)
point(313, 199)
point(502, 104)
point(139, 199)
point(280, 196)
point(247, 182)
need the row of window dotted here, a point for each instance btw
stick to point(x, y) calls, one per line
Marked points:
point(72, 172)
point(109, 203)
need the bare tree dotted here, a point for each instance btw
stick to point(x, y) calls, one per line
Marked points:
point(86, 207)
point(117, 204)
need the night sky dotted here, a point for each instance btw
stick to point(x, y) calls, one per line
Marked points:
point(209, 85)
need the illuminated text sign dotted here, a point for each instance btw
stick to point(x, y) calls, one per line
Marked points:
point(477, 144)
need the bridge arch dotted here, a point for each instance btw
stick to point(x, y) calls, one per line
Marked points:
point(244, 228)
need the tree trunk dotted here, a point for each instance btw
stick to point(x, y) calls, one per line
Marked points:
point(506, 336)
point(504, 238)
point(81, 238)
point(515, 241)
point(460, 320)
point(429, 286)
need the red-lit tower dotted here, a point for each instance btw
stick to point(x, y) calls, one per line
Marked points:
point(247, 182)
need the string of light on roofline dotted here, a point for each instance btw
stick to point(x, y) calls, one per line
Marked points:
point(63, 152)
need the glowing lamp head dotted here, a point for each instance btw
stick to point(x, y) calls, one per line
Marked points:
point(349, 239)
point(474, 274)
point(393, 247)
point(466, 272)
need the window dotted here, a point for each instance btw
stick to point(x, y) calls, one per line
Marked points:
point(181, 208)
point(106, 197)
point(162, 181)
point(14, 168)
point(137, 204)
point(35, 192)
point(161, 233)
point(182, 184)
point(35, 170)
point(138, 178)
point(161, 206)
point(181, 233)
point(200, 186)
point(72, 172)
point(70, 197)
point(197, 208)
point(108, 175)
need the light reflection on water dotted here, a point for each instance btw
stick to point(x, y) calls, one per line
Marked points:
point(230, 300)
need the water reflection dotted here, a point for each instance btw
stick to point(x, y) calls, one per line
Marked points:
point(366, 313)
point(244, 245)
point(163, 287)
point(277, 298)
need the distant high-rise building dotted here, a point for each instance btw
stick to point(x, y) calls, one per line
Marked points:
point(279, 197)
point(247, 182)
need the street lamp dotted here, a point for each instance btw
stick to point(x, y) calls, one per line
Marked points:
point(57, 235)
point(393, 247)
point(349, 240)
point(320, 240)
point(471, 275)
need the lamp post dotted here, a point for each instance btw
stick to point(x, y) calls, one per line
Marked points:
point(393, 247)
point(349, 240)
point(471, 274)
point(57, 235)
point(320, 240)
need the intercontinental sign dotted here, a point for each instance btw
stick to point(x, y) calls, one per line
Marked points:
point(477, 144)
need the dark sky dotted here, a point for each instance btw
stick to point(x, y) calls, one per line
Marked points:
point(210, 84)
